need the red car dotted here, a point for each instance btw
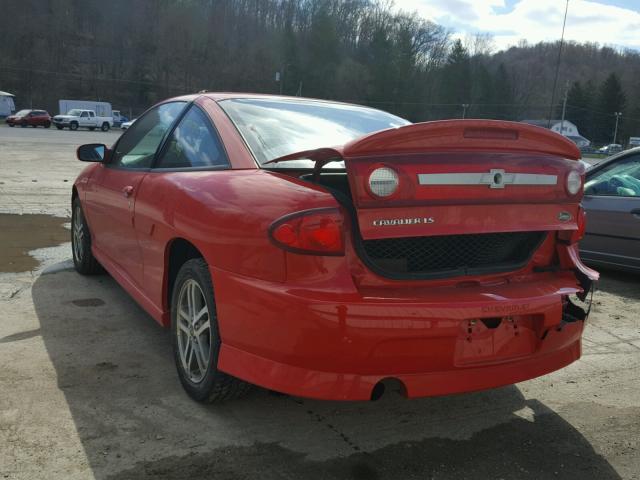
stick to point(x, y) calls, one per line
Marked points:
point(33, 118)
point(319, 249)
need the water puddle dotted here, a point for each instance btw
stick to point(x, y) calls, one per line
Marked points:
point(20, 234)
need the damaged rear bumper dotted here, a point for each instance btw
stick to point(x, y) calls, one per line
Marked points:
point(435, 341)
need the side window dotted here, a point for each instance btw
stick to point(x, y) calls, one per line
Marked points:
point(84, 115)
point(620, 179)
point(139, 143)
point(193, 143)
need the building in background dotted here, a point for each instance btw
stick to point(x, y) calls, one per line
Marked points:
point(565, 128)
point(7, 106)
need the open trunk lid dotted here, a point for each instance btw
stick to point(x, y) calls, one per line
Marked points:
point(460, 177)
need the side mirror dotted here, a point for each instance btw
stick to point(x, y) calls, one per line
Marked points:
point(92, 152)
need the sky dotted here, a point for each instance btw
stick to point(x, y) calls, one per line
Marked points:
point(607, 22)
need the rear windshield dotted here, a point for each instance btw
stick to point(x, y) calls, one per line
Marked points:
point(274, 128)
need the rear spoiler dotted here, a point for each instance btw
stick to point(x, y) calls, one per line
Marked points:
point(449, 136)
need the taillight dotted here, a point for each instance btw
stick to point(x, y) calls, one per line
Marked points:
point(574, 236)
point(574, 182)
point(315, 232)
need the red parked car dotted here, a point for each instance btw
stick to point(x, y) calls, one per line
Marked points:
point(32, 118)
point(319, 248)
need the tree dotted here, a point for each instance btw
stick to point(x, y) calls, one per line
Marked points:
point(502, 97)
point(456, 88)
point(579, 107)
point(611, 99)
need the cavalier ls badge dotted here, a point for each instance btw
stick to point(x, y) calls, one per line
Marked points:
point(386, 222)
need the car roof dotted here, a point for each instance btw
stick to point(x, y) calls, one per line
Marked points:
point(220, 96)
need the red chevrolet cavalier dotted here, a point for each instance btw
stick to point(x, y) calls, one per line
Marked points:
point(319, 248)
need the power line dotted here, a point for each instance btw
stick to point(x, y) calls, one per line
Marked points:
point(99, 79)
point(555, 81)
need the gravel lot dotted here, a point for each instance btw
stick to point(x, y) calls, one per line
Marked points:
point(88, 387)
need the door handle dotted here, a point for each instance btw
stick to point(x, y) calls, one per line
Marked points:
point(127, 191)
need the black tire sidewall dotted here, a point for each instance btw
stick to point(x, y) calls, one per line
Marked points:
point(73, 126)
point(196, 270)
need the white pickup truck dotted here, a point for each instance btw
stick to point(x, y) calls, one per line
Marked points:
point(78, 118)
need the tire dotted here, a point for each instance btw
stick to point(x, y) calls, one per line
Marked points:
point(73, 126)
point(47, 125)
point(83, 259)
point(11, 125)
point(199, 377)
point(105, 127)
point(59, 127)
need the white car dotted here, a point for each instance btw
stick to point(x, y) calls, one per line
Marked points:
point(610, 149)
point(126, 125)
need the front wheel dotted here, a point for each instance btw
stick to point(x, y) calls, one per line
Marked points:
point(196, 338)
point(105, 127)
point(83, 259)
point(73, 126)
point(11, 125)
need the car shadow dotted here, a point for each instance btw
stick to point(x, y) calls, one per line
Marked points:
point(115, 368)
point(625, 284)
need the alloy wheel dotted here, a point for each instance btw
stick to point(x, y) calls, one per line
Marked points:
point(193, 331)
point(78, 234)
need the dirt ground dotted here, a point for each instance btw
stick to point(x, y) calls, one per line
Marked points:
point(88, 387)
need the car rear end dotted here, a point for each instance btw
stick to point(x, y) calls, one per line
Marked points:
point(448, 264)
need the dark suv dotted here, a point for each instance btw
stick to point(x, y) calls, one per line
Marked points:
point(34, 118)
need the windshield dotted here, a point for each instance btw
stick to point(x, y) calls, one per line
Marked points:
point(75, 112)
point(22, 113)
point(274, 128)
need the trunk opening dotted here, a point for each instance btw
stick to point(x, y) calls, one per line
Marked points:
point(433, 256)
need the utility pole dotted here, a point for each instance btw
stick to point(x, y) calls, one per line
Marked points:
point(464, 110)
point(615, 132)
point(555, 81)
point(564, 107)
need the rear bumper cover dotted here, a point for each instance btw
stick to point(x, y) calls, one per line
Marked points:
point(436, 341)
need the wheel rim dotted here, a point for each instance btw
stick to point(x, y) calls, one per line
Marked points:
point(78, 235)
point(193, 329)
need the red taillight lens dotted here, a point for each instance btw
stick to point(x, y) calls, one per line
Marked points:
point(574, 236)
point(316, 232)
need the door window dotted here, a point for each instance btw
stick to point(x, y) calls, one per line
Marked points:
point(620, 179)
point(84, 115)
point(193, 144)
point(139, 143)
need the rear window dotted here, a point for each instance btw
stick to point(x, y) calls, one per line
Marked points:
point(274, 128)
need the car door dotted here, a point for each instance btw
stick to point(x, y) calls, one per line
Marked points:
point(194, 148)
point(612, 203)
point(83, 121)
point(112, 190)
